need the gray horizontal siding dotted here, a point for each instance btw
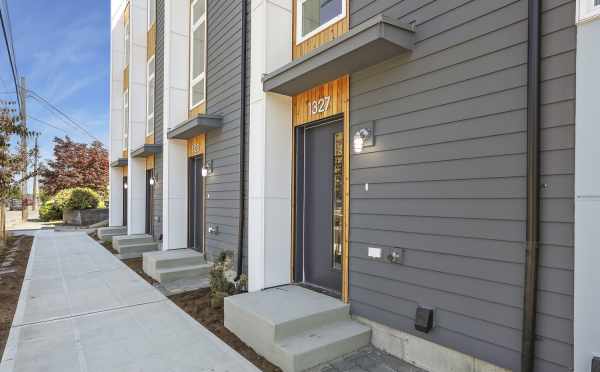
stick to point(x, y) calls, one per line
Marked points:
point(447, 177)
point(158, 118)
point(223, 145)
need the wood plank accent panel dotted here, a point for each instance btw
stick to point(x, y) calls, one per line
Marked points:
point(124, 153)
point(149, 139)
point(126, 14)
point(125, 79)
point(151, 37)
point(200, 109)
point(125, 171)
point(196, 145)
point(150, 162)
point(339, 93)
point(330, 96)
point(328, 34)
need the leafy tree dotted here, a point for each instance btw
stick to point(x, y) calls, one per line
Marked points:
point(75, 165)
point(12, 163)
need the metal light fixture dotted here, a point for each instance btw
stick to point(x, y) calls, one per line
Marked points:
point(207, 168)
point(125, 186)
point(362, 138)
point(152, 181)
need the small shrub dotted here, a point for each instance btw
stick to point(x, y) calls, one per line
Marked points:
point(76, 198)
point(82, 198)
point(49, 211)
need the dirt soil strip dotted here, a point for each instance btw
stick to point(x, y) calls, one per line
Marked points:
point(10, 282)
point(197, 305)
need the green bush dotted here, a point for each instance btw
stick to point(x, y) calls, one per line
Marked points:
point(75, 198)
point(49, 211)
point(82, 198)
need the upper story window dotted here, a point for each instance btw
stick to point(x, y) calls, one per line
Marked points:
point(150, 96)
point(151, 13)
point(125, 118)
point(198, 53)
point(588, 9)
point(313, 16)
point(127, 43)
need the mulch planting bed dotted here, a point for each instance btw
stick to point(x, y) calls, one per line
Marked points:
point(197, 305)
point(15, 255)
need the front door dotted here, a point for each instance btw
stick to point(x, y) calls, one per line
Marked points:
point(195, 204)
point(149, 198)
point(322, 199)
point(124, 200)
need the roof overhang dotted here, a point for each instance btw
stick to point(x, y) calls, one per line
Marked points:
point(195, 126)
point(119, 163)
point(371, 42)
point(146, 150)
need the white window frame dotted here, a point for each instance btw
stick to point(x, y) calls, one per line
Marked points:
point(150, 105)
point(202, 76)
point(587, 10)
point(299, 37)
point(125, 119)
point(150, 21)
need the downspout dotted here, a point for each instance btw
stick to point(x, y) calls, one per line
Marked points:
point(533, 187)
point(240, 263)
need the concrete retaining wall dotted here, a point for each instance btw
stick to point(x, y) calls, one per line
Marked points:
point(84, 217)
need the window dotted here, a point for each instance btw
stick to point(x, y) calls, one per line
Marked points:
point(127, 44)
point(198, 53)
point(315, 15)
point(150, 98)
point(125, 119)
point(151, 13)
point(588, 9)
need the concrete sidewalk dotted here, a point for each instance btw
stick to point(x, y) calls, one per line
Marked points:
point(81, 309)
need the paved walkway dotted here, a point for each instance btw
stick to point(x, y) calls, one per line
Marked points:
point(83, 310)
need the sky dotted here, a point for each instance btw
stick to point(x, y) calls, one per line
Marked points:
point(62, 48)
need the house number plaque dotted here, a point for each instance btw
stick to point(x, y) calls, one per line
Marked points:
point(195, 148)
point(318, 106)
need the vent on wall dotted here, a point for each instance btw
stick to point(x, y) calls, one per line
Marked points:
point(424, 319)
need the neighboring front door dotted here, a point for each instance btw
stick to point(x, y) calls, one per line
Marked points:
point(149, 198)
point(125, 201)
point(195, 204)
point(323, 205)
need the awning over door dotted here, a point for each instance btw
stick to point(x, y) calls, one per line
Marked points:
point(367, 44)
point(146, 150)
point(119, 163)
point(195, 126)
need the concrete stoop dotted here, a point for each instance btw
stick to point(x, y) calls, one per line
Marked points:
point(133, 246)
point(107, 233)
point(293, 327)
point(175, 265)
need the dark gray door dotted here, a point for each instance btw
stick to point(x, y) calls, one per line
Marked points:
point(323, 205)
point(195, 204)
point(125, 200)
point(149, 198)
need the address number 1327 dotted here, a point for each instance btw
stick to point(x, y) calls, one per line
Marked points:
point(319, 105)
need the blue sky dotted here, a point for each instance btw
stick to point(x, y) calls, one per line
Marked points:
point(62, 48)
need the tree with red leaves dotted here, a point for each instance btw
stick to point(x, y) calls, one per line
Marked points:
point(75, 165)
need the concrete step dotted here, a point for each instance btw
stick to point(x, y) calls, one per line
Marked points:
point(130, 239)
point(171, 259)
point(281, 323)
point(318, 345)
point(181, 272)
point(136, 250)
point(107, 233)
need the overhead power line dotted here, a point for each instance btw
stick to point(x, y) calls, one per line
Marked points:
point(68, 119)
point(47, 123)
point(10, 48)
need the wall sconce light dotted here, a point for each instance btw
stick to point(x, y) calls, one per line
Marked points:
point(152, 181)
point(207, 168)
point(363, 137)
point(125, 186)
